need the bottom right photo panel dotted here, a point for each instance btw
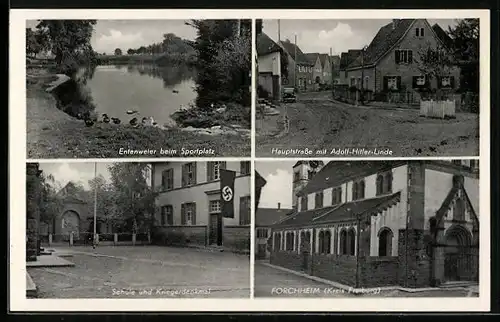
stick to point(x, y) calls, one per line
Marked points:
point(407, 228)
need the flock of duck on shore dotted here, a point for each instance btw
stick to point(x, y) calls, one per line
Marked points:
point(134, 122)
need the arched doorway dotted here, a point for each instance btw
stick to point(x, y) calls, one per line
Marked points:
point(70, 223)
point(458, 255)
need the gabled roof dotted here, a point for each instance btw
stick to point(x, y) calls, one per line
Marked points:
point(384, 40)
point(269, 216)
point(445, 206)
point(342, 212)
point(312, 57)
point(339, 172)
point(265, 45)
point(72, 194)
point(348, 57)
point(442, 35)
point(290, 49)
point(323, 58)
point(335, 61)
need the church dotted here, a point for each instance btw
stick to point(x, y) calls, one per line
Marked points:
point(366, 224)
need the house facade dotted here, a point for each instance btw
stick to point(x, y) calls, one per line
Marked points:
point(381, 223)
point(264, 219)
point(269, 66)
point(326, 66)
point(317, 74)
point(346, 58)
point(300, 68)
point(189, 204)
point(391, 62)
point(335, 63)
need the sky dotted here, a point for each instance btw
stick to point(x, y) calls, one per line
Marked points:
point(341, 35)
point(278, 189)
point(77, 172)
point(125, 34)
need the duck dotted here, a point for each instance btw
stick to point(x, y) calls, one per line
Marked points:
point(116, 120)
point(132, 112)
point(89, 122)
point(105, 118)
point(175, 91)
point(133, 121)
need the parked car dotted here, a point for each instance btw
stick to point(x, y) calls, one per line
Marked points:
point(289, 95)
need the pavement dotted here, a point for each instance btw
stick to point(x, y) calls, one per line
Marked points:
point(145, 272)
point(273, 282)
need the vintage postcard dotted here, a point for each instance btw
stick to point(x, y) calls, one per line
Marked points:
point(405, 87)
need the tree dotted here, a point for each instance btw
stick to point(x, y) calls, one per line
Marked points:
point(32, 45)
point(133, 198)
point(50, 203)
point(130, 51)
point(118, 52)
point(69, 41)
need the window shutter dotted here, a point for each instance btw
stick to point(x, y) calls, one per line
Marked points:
point(396, 56)
point(171, 216)
point(193, 216)
point(410, 56)
point(183, 175)
point(415, 81)
point(452, 81)
point(439, 82)
point(210, 167)
point(398, 78)
point(386, 81)
point(162, 214)
point(163, 179)
point(183, 214)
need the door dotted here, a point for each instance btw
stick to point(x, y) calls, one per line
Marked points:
point(215, 232)
point(261, 251)
point(276, 87)
point(70, 223)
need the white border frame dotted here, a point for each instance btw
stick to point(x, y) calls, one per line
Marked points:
point(17, 160)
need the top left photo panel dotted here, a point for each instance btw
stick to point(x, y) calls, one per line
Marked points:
point(138, 88)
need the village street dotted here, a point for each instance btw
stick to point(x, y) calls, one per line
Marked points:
point(317, 122)
point(273, 282)
point(145, 272)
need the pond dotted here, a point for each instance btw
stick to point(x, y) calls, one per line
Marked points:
point(150, 90)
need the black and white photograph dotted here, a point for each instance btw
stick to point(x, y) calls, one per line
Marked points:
point(402, 228)
point(138, 230)
point(138, 88)
point(367, 87)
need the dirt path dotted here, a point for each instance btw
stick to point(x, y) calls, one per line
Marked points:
point(52, 133)
point(321, 124)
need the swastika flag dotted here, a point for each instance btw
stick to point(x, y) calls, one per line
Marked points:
point(227, 192)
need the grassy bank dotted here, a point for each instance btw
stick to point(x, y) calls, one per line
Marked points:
point(146, 59)
point(53, 134)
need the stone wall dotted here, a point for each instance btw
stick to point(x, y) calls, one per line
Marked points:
point(237, 238)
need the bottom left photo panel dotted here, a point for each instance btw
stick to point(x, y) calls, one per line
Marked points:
point(138, 229)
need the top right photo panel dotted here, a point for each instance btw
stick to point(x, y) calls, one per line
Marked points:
point(367, 88)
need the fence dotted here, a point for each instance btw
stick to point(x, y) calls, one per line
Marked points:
point(437, 109)
point(87, 239)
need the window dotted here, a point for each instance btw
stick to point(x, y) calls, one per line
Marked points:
point(188, 214)
point(262, 232)
point(421, 32)
point(318, 200)
point(189, 174)
point(324, 242)
point(214, 207)
point(459, 209)
point(167, 216)
point(167, 179)
point(358, 190)
point(457, 162)
point(336, 196)
point(290, 241)
point(353, 81)
point(367, 80)
point(474, 164)
point(417, 32)
point(245, 167)
point(351, 242)
point(392, 83)
point(404, 56)
point(343, 242)
point(213, 170)
point(446, 82)
point(384, 183)
point(296, 176)
point(277, 241)
point(303, 203)
point(245, 210)
point(385, 242)
point(419, 81)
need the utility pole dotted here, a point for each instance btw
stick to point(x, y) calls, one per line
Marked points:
point(362, 75)
point(95, 206)
point(279, 31)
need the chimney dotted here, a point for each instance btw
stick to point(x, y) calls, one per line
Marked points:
point(394, 23)
point(279, 205)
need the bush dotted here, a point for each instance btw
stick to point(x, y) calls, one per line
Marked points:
point(262, 92)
